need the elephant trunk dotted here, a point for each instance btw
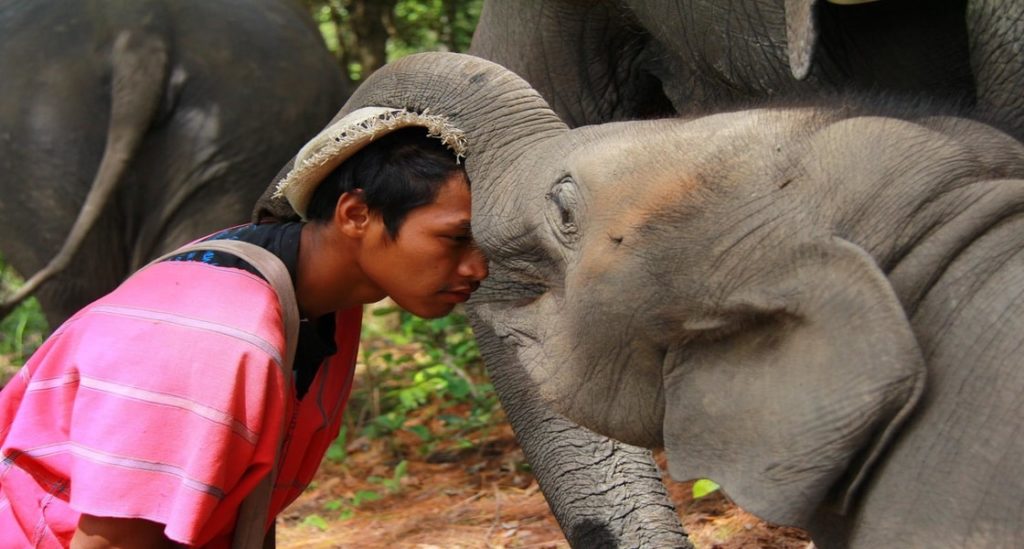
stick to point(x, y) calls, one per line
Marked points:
point(584, 476)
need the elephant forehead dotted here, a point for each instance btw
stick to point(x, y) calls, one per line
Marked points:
point(634, 169)
point(642, 169)
point(628, 186)
point(642, 180)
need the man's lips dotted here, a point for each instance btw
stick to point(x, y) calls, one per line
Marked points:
point(457, 296)
point(461, 293)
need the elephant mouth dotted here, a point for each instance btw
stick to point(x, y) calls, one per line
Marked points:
point(512, 337)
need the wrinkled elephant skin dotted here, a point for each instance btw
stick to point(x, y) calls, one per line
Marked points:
point(627, 59)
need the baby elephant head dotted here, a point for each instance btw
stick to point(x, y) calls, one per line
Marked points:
point(662, 284)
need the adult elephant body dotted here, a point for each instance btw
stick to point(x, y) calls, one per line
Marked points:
point(150, 122)
point(819, 307)
point(626, 59)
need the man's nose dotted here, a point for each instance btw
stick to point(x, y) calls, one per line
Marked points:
point(473, 265)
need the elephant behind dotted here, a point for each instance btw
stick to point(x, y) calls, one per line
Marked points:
point(129, 128)
point(627, 59)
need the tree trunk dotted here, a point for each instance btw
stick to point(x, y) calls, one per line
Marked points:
point(368, 21)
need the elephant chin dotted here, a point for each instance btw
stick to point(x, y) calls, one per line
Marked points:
point(617, 394)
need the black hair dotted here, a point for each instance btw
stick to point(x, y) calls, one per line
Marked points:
point(397, 173)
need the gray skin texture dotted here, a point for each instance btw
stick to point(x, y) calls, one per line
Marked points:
point(130, 128)
point(614, 60)
point(610, 60)
point(819, 308)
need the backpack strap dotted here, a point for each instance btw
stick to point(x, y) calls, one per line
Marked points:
point(250, 525)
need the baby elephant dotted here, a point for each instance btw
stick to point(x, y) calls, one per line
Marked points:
point(821, 309)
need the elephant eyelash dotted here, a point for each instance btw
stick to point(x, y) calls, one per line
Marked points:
point(563, 212)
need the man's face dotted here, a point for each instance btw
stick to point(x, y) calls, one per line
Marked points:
point(432, 264)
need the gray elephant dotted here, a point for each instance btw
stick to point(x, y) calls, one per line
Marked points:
point(625, 59)
point(818, 307)
point(128, 128)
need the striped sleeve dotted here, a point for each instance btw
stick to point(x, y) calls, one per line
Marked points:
point(164, 414)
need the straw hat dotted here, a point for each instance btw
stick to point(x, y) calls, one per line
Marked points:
point(345, 137)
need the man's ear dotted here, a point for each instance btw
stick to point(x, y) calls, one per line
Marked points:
point(351, 214)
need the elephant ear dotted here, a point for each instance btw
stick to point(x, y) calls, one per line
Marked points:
point(791, 395)
point(801, 36)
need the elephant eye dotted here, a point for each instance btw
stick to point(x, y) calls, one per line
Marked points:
point(563, 210)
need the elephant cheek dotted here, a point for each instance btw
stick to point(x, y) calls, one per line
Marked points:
point(547, 355)
point(614, 387)
point(529, 336)
point(553, 356)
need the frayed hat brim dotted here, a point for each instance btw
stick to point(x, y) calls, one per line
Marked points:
point(343, 138)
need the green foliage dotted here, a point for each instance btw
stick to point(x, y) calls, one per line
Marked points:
point(394, 484)
point(354, 35)
point(23, 330)
point(327, 16)
point(704, 487)
point(420, 376)
point(337, 451)
point(315, 521)
point(346, 507)
point(363, 496)
point(433, 25)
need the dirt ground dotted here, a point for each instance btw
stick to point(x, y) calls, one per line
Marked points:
point(478, 497)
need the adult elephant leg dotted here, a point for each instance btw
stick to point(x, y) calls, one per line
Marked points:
point(996, 29)
point(603, 493)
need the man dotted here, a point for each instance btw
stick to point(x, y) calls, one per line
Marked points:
point(148, 417)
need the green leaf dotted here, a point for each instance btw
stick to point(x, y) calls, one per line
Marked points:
point(704, 487)
point(383, 311)
point(401, 469)
point(458, 387)
point(336, 452)
point(422, 432)
point(315, 521)
point(363, 496)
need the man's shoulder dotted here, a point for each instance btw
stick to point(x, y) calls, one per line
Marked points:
point(198, 292)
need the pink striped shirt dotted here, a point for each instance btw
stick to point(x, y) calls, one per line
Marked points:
point(152, 403)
